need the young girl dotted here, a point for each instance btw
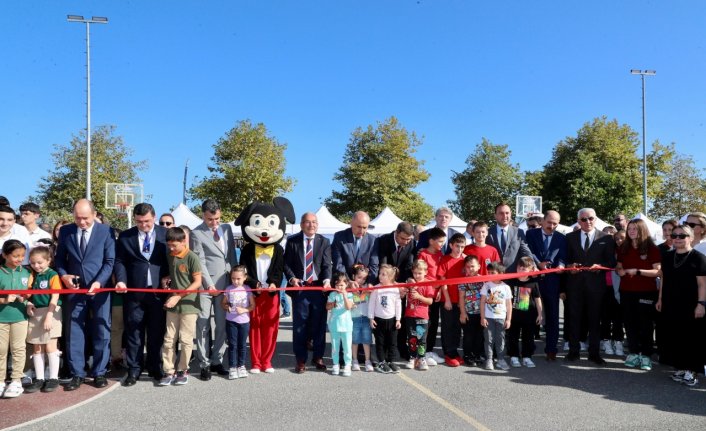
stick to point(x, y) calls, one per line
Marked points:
point(340, 323)
point(526, 314)
point(495, 317)
point(384, 314)
point(45, 321)
point(419, 298)
point(361, 325)
point(469, 307)
point(238, 303)
point(13, 316)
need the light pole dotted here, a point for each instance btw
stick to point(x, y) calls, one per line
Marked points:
point(642, 74)
point(88, 22)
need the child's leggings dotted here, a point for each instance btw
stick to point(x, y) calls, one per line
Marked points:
point(336, 339)
point(417, 336)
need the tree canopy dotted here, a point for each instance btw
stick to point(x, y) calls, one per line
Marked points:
point(678, 186)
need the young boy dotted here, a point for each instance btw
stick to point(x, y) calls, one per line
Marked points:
point(495, 316)
point(526, 313)
point(419, 299)
point(451, 267)
point(432, 257)
point(182, 307)
point(484, 252)
point(469, 307)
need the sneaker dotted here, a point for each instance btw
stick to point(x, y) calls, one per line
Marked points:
point(619, 348)
point(182, 378)
point(607, 347)
point(435, 357)
point(254, 371)
point(527, 362)
point(488, 365)
point(689, 380)
point(431, 360)
point(410, 364)
point(584, 346)
point(678, 376)
point(632, 361)
point(3, 386)
point(383, 368)
point(335, 370)
point(423, 364)
point(503, 365)
point(369, 366)
point(566, 346)
point(393, 367)
point(451, 362)
point(233, 373)
point(269, 370)
point(34, 386)
point(346, 371)
point(167, 380)
point(14, 390)
point(355, 366)
point(50, 385)
point(645, 363)
point(515, 362)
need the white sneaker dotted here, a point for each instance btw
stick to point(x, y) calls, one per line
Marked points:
point(2, 388)
point(607, 346)
point(355, 366)
point(369, 366)
point(254, 371)
point(488, 365)
point(335, 370)
point(503, 365)
point(242, 372)
point(438, 359)
point(430, 359)
point(566, 346)
point(346, 371)
point(527, 362)
point(233, 373)
point(515, 362)
point(619, 348)
point(13, 390)
point(423, 364)
point(270, 370)
point(584, 347)
point(410, 364)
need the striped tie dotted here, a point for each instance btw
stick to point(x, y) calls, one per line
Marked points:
point(309, 261)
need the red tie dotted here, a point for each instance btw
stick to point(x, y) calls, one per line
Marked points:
point(309, 261)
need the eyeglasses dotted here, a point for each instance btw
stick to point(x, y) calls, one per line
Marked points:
point(585, 219)
point(678, 235)
point(693, 225)
point(165, 223)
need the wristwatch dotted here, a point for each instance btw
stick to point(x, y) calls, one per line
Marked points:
point(702, 303)
point(638, 272)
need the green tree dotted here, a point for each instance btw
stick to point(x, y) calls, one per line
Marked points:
point(677, 186)
point(379, 169)
point(66, 182)
point(248, 165)
point(489, 178)
point(532, 183)
point(597, 168)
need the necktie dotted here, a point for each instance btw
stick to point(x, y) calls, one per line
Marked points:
point(357, 248)
point(216, 237)
point(82, 245)
point(503, 240)
point(146, 244)
point(586, 243)
point(309, 261)
point(399, 250)
point(546, 243)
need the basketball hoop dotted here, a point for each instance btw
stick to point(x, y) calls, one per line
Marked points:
point(123, 198)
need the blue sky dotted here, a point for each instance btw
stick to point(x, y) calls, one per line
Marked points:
point(174, 76)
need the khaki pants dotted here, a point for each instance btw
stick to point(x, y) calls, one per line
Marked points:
point(12, 338)
point(182, 326)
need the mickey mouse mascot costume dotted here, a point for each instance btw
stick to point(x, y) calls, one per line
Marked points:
point(263, 227)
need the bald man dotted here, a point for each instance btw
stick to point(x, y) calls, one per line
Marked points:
point(356, 245)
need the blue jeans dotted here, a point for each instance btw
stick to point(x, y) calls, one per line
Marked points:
point(237, 336)
point(283, 301)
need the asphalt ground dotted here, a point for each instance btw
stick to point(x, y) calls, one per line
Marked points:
point(553, 396)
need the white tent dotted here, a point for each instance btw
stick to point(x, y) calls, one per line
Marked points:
point(385, 222)
point(328, 224)
point(183, 216)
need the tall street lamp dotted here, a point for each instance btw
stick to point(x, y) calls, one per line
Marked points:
point(642, 74)
point(88, 22)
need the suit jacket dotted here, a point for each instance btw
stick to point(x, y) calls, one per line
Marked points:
point(96, 265)
point(515, 249)
point(344, 256)
point(423, 241)
point(294, 259)
point(387, 253)
point(274, 272)
point(601, 252)
point(216, 263)
point(131, 266)
point(556, 253)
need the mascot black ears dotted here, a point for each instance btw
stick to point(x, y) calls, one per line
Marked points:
point(264, 223)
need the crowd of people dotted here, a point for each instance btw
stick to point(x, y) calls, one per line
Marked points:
point(621, 293)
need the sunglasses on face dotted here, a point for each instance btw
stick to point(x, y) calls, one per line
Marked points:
point(165, 223)
point(678, 235)
point(693, 225)
point(585, 219)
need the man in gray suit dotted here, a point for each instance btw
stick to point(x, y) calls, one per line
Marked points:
point(509, 240)
point(214, 243)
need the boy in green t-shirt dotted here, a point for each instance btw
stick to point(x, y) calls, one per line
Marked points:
point(182, 307)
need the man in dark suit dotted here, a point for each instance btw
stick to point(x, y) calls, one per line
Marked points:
point(509, 240)
point(397, 249)
point(307, 262)
point(548, 249)
point(587, 247)
point(85, 255)
point(443, 217)
point(141, 261)
point(356, 245)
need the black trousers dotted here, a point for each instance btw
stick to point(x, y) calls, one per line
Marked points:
point(585, 300)
point(612, 317)
point(385, 335)
point(450, 331)
point(639, 311)
point(522, 327)
point(144, 316)
point(473, 338)
point(434, 313)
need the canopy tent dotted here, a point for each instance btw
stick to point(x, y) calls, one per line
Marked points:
point(385, 222)
point(183, 216)
point(328, 224)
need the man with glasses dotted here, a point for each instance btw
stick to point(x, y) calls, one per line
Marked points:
point(620, 222)
point(587, 247)
point(166, 220)
point(697, 222)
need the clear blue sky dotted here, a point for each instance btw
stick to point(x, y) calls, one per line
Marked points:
point(174, 76)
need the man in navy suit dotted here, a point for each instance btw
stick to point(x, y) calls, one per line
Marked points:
point(85, 255)
point(307, 262)
point(548, 249)
point(509, 240)
point(356, 245)
point(141, 261)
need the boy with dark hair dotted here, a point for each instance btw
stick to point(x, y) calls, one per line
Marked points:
point(431, 255)
point(469, 308)
point(485, 253)
point(451, 267)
